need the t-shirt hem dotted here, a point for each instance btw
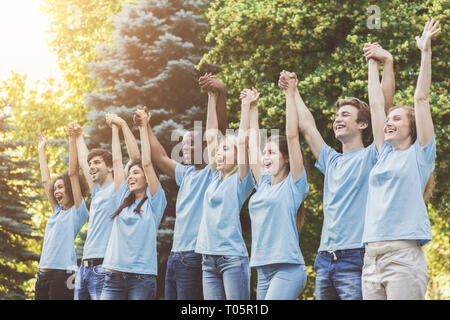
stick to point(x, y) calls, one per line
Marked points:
point(346, 247)
point(265, 263)
point(129, 271)
point(222, 253)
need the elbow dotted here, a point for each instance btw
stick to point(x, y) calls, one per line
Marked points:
point(291, 135)
point(420, 97)
point(147, 164)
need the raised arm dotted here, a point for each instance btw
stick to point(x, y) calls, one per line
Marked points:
point(295, 153)
point(73, 167)
point(376, 102)
point(375, 51)
point(424, 121)
point(119, 172)
point(45, 173)
point(149, 171)
point(247, 96)
point(209, 83)
point(254, 144)
point(306, 123)
point(159, 156)
point(212, 130)
point(82, 152)
point(130, 140)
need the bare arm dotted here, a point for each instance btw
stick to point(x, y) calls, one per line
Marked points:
point(424, 121)
point(242, 150)
point(209, 83)
point(295, 154)
point(254, 143)
point(212, 130)
point(130, 140)
point(375, 51)
point(149, 171)
point(306, 123)
point(73, 170)
point(376, 102)
point(159, 156)
point(45, 173)
point(119, 172)
point(83, 152)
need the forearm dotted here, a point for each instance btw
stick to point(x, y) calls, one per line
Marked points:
point(221, 110)
point(376, 97)
point(119, 175)
point(388, 84)
point(254, 144)
point(292, 123)
point(159, 156)
point(130, 142)
point(145, 146)
point(424, 80)
point(82, 153)
point(73, 157)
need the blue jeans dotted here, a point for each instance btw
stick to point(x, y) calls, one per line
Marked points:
point(226, 277)
point(89, 282)
point(280, 281)
point(184, 276)
point(129, 286)
point(338, 274)
point(54, 285)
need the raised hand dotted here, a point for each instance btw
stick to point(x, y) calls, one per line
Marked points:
point(249, 97)
point(207, 82)
point(142, 117)
point(113, 119)
point(376, 52)
point(73, 130)
point(137, 116)
point(283, 81)
point(424, 41)
point(42, 141)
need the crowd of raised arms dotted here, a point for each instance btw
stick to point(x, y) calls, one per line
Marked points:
point(375, 217)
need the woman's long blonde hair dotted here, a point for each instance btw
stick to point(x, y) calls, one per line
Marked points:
point(428, 192)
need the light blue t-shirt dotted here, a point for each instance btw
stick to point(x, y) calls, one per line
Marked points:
point(189, 207)
point(100, 222)
point(220, 230)
point(132, 245)
point(395, 206)
point(346, 185)
point(58, 251)
point(273, 212)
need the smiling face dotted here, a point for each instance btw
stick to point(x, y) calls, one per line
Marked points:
point(98, 170)
point(273, 159)
point(136, 179)
point(346, 125)
point(60, 194)
point(397, 129)
point(226, 155)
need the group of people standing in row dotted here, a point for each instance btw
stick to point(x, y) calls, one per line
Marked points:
point(375, 217)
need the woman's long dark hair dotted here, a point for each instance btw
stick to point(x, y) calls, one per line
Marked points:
point(283, 147)
point(131, 198)
point(68, 187)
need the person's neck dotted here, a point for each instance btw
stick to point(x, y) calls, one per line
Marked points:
point(352, 144)
point(402, 145)
point(140, 194)
point(109, 179)
point(280, 176)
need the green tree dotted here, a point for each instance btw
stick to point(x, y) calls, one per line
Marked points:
point(15, 223)
point(252, 41)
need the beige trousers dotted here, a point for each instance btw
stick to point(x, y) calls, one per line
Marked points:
point(394, 271)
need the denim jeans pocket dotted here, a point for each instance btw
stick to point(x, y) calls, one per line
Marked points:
point(231, 258)
point(99, 270)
